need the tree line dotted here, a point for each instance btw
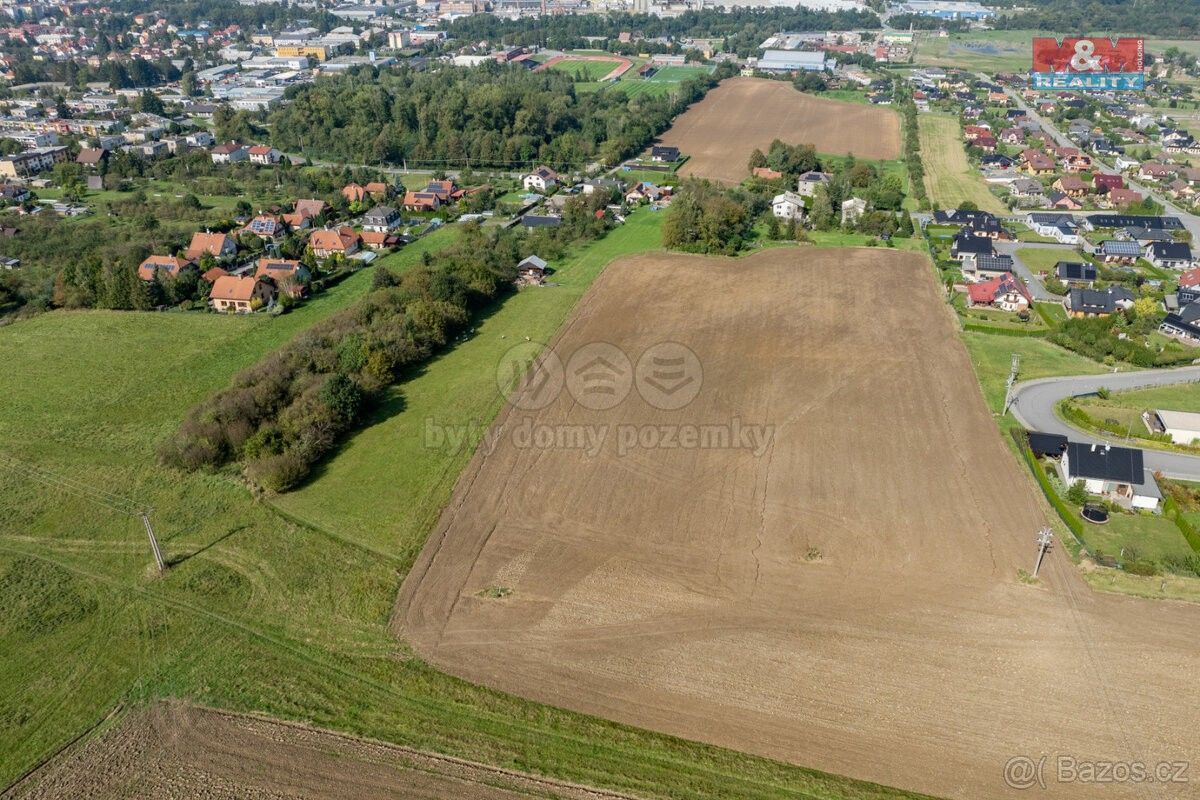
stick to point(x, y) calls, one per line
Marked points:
point(1177, 19)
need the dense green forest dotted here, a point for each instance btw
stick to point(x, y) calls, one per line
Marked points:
point(742, 29)
point(491, 116)
point(1177, 19)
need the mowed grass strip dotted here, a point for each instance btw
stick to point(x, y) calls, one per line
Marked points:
point(949, 177)
point(258, 613)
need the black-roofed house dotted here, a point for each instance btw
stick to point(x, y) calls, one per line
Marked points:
point(1097, 302)
point(1047, 444)
point(1169, 255)
point(1116, 473)
point(966, 247)
point(664, 153)
point(993, 264)
point(1075, 273)
point(1183, 325)
point(1095, 221)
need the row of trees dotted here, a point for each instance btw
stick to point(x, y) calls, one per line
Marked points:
point(282, 415)
point(1176, 19)
point(491, 116)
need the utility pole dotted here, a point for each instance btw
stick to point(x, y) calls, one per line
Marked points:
point(158, 559)
point(1044, 539)
point(1012, 380)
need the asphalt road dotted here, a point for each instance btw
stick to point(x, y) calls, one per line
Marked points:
point(1034, 403)
point(1009, 248)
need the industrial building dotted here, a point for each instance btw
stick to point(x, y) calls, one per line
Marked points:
point(792, 61)
point(946, 10)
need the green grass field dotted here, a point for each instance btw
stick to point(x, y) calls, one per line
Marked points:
point(991, 355)
point(589, 70)
point(261, 612)
point(1007, 51)
point(949, 177)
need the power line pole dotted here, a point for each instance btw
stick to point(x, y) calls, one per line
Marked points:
point(158, 559)
point(1044, 539)
point(1012, 380)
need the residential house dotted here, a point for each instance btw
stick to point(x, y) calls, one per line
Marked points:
point(1035, 162)
point(91, 157)
point(1154, 171)
point(435, 195)
point(806, 184)
point(664, 153)
point(240, 295)
point(341, 241)
point(1097, 221)
point(229, 153)
point(1122, 198)
point(607, 185)
point(1045, 223)
point(991, 264)
point(644, 190)
point(1169, 255)
point(966, 247)
point(379, 240)
point(1076, 273)
point(1125, 163)
point(354, 193)
point(766, 173)
point(542, 179)
point(1104, 183)
point(852, 210)
point(303, 213)
point(381, 219)
point(153, 265)
point(1063, 202)
point(217, 245)
point(288, 275)
point(1003, 291)
point(788, 205)
point(1116, 473)
point(1112, 251)
point(1014, 136)
point(264, 155)
point(1183, 325)
point(540, 221)
point(986, 143)
point(1071, 186)
point(1027, 190)
point(380, 190)
point(1097, 302)
point(266, 226)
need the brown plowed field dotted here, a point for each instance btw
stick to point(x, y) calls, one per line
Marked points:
point(721, 131)
point(172, 751)
point(847, 598)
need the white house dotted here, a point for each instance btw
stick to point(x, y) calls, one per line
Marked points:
point(229, 153)
point(541, 179)
point(852, 210)
point(807, 183)
point(1182, 426)
point(1125, 163)
point(1169, 255)
point(788, 205)
point(1117, 473)
point(264, 155)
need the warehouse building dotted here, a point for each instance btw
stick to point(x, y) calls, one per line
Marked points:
point(792, 61)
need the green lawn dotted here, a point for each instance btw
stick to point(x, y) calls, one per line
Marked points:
point(991, 355)
point(590, 70)
point(1148, 537)
point(260, 612)
point(1043, 259)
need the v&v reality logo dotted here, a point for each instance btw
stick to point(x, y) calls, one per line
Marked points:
point(1087, 64)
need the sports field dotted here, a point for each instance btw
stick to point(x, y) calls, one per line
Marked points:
point(721, 131)
point(589, 67)
point(949, 176)
point(839, 589)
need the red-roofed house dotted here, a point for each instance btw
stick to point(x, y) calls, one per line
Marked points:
point(766, 173)
point(1004, 292)
point(1190, 279)
point(1104, 183)
point(240, 295)
point(1118, 198)
point(379, 240)
point(217, 245)
point(304, 212)
point(354, 193)
point(341, 241)
point(287, 274)
point(171, 265)
point(1071, 185)
point(264, 154)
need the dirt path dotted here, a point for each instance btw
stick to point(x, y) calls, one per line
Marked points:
point(845, 598)
point(721, 131)
point(173, 751)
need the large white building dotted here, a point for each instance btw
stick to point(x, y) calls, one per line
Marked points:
point(1182, 426)
point(792, 61)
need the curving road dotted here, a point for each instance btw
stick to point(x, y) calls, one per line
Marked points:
point(1034, 407)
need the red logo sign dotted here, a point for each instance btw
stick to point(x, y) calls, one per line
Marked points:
point(1087, 55)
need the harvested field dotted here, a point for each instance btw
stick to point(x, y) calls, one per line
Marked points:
point(172, 751)
point(721, 131)
point(842, 594)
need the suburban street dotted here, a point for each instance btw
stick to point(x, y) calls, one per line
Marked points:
point(1034, 407)
point(1190, 221)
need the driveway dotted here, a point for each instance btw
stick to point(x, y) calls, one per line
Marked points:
point(1034, 403)
point(1036, 288)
